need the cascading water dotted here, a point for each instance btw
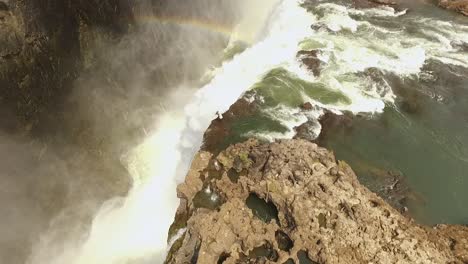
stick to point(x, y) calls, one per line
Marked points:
point(137, 228)
point(350, 41)
point(404, 70)
point(134, 229)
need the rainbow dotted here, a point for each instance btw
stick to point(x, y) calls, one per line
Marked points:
point(212, 26)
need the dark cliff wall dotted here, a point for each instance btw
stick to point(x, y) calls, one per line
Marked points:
point(43, 48)
point(81, 83)
point(41, 52)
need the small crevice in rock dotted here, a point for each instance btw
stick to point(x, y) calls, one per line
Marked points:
point(284, 242)
point(207, 198)
point(304, 258)
point(196, 252)
point(453, 243)
point(234, 175)
point(322, 187)
point(387, 213)
point(223, 257)
point(264, 251)
point(265, 210)
point(347, 210)
point(3, 6)
point(322, 220)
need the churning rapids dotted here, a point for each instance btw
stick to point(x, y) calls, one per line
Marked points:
point(364, 54)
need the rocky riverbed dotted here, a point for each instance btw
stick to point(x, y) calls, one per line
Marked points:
point(293, 202)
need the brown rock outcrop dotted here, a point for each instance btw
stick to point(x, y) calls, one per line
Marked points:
point(310, 59)
point(372, 3)
point(460, 6)
point(41, 48)
point(291, 199)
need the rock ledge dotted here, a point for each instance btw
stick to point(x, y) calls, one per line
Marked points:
point(292, 202)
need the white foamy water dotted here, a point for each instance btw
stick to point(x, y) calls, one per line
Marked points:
point(290, 25)
point(350, 43)
point(134, 229)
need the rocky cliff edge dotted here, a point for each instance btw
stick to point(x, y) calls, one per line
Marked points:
point(293, 202)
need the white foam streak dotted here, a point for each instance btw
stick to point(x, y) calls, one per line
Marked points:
point(135, 228)
point(349, 47)
point(290, 26)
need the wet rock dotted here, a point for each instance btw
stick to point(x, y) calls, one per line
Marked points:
point(307, 106)
point(330, 122)
point(322, 218)
point(218, 134)
point(304, 258)
point(460, 6)
point(42, 48)
point(264, 210)
point(372, 3)
point(284, 242)
point(307, 130)
point(384, 2)
point(3, 6)
point(310, 59)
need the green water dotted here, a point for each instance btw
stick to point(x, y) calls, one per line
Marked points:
point(280, 86)
point(422, 136)
point(262, 209)
point(425, 137)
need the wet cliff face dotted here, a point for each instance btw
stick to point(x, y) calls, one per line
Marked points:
point(43, 46)
point(81, 83)
point(42, 49)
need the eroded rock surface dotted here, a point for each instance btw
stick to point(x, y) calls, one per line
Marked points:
point(460, 6)
point(291, 199)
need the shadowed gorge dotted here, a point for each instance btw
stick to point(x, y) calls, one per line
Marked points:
point(80, 81)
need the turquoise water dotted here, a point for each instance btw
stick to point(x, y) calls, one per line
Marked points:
point(424, 137)
point(282, 87)
point(415, 66)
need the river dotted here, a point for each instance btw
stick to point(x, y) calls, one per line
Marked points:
point(402, 76)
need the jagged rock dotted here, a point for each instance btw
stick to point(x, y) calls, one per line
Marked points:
point(384, 2)
point(321, 213)
point(310, 59)
point(460, 6)
point(215, 137)
point(307, 106)
point(307, 131)
point(373, 3)
point(3, 6)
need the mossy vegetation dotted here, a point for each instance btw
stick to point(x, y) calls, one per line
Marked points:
point(172, 252)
